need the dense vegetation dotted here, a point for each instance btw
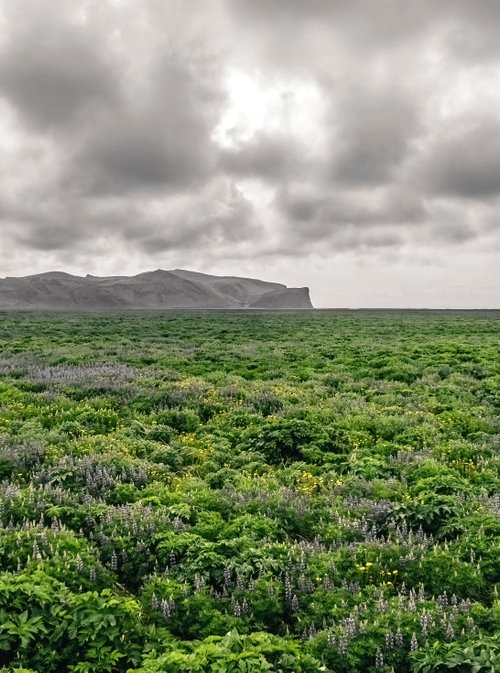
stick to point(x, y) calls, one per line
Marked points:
point(247, 492)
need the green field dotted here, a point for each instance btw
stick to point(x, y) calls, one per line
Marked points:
point(237, 492)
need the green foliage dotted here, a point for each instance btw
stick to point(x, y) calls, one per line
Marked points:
point(291, 492)
point(234, 653)
point(481, 656)
point(44, 624)
point(281, 439)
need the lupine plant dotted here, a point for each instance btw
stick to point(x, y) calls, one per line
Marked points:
point(289, 492)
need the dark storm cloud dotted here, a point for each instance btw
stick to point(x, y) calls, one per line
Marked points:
point(220, 216)
point(474, 31)
point(323, 9)
point(466, 162)
point(164, 143)
point(116, 125)
point(52, 237)
point(49, 225)
point(474, 45)
point(383, 20)
point(54, 74)
point(367, 23)
point(320, 216)
point(375, 133)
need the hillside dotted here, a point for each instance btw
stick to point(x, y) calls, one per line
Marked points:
point(153, 289)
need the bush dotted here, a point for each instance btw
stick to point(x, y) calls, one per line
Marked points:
point(234, 653)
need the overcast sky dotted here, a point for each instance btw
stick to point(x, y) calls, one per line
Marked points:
point(351, 146)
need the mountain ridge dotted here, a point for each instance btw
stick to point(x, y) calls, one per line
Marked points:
point(177, 288)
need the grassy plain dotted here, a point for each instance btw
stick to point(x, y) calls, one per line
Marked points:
point(250, 491)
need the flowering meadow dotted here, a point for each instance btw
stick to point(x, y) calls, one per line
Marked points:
point(238, 492)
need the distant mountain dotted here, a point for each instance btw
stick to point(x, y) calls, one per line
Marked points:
point(153, 289)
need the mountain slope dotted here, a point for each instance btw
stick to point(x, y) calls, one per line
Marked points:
point(153, 289)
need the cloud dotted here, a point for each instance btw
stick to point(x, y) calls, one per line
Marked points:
point(264, 156)
point(165, 143)
point(316, 217)
point(369, 25)
point(374, 135)
point(51, 70)
point(217, 217)
point(465, 161)
point(473, 35)
point(384, 20)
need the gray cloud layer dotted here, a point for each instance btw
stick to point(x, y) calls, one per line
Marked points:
point(111, 145)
